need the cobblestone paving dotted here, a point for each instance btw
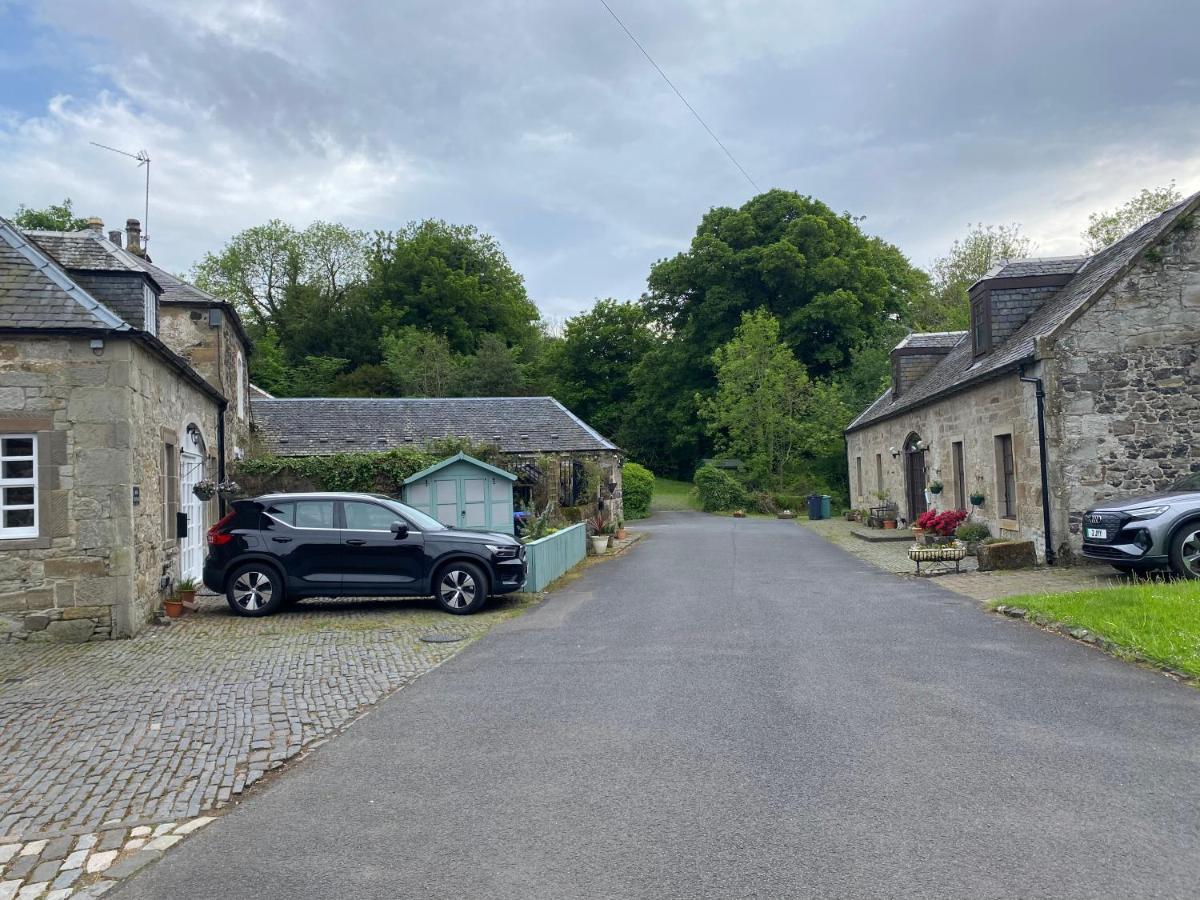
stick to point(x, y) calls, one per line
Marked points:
point(984, 586)
point(105, 744)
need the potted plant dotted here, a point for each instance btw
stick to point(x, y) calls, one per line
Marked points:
point(977, 499)
point(972, 534)
point(205, 490)
point(936, 487)
point(172, 606)
point(185, 589)
point(598, 537)
point(621, 530)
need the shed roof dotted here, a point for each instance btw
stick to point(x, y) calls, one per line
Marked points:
point(456, 458)
point(960, 369)
point(317, 426)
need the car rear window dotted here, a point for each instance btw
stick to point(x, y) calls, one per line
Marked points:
point(303, 513)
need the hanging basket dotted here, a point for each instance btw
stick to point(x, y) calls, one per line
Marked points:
point(205, 490)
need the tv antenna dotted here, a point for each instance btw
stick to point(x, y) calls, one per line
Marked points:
point(143, 159)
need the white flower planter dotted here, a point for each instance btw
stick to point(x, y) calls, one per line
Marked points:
point(599, 544)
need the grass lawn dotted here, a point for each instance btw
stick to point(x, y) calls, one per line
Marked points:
point(670, 494)
point(1159, 620)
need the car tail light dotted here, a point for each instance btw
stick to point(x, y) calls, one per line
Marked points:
point(218, 537)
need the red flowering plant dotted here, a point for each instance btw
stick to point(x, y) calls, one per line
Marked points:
point(945, 523)
point(926, 519)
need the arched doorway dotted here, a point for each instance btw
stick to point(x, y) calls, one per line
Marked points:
point(914, 475)
point(191, 473)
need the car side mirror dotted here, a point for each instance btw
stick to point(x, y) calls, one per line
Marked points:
point(399, 529)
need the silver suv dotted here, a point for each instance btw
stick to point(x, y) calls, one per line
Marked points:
point(1154, 531)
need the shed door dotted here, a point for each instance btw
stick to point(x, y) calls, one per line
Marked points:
point(445, 498)
point(474, 511)
point(501, 500)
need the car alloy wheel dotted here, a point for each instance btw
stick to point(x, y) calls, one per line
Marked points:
point(252, 590)
point(1189, 554)
point(458, 589)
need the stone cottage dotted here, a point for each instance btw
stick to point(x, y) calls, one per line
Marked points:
point(524, 429)
point(1113, 341)
point(105, 425)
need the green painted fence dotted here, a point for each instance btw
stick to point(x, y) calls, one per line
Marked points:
point(550, 557)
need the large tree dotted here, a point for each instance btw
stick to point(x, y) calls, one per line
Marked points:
point(830, 285)
point(590, 369)
point(55, 217)
point(451, 280)
point(1110, 225)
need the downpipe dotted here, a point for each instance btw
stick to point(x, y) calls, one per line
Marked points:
point(1040, 393)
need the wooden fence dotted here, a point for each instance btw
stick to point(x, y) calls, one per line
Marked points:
point(550, 557)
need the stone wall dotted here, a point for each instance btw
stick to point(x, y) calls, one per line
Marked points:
point(973, 417)
point(93, 570)
point(213, 352)
point(162, 406)
point(1126, 409)
point(80, 566)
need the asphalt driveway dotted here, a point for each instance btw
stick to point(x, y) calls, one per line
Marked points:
point(736, 709)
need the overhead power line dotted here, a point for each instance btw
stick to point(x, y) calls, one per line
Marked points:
point(679, 94)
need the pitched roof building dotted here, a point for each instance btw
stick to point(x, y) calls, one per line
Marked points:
point(1114, 339)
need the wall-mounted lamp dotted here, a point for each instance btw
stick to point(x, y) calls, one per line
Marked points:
point(894, 452)
point(193, 434)
point(97, 345)
point(920, 446)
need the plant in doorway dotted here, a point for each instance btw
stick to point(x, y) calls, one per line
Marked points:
point(172, 606)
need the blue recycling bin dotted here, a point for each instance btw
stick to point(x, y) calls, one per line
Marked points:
point(814, 506)
point(825, 506)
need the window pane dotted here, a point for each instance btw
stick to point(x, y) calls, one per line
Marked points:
point(18, 496)
point(314, 514)
point(369, 517)
point(284, 512)
point(22, 446)
point(18, 518)
point(18, 468)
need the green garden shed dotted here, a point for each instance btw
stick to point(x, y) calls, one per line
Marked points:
point(464, 492)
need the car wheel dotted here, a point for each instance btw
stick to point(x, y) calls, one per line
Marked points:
point(461, 588)
point(1185, 551)
point(254, 590)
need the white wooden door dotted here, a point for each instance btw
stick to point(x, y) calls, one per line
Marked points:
point(474, 511)
point(445, 497)
point(191, 547)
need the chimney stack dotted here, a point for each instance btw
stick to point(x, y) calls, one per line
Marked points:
point(115, 237)
point(133, 236)
point(96, 224)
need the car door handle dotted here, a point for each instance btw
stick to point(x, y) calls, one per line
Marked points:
point(282, 540)
point(356, 542)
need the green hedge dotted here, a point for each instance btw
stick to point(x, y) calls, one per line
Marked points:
point(382, 473)
point(718, 489)
point(637, 490)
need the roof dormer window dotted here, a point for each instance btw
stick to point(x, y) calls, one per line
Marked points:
point(981, 324)
point(149, 310)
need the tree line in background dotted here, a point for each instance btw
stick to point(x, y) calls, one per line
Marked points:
point(760, 341)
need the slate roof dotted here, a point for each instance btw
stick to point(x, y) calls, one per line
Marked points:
point(35, 291)
point(959, 369)
point(86, 250)
point(1036, 265)
point(934, 340)
point(317, 426)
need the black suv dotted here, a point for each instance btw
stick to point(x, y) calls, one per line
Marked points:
point(279, 548)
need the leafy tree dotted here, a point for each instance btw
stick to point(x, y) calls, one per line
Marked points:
point(370, 380)
point(494, 370)
point(451, 280)
point(718, 490)
point(591, 368)
point(830, 286)
point(947, 307)
point(254, 270)
point(761, 392)
point(55, 217)
point(268, 367)
point(315, 376)
point(421, 362)
point(661, 425)
point(1110, 225)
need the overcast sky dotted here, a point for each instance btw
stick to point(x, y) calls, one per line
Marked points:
point(541, 123)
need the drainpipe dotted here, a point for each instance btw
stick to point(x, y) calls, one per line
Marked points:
point(221, 453)
point(1040, 393)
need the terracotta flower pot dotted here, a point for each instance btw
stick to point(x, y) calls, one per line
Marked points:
point(187, 597)
point(620, 534)
point(173, 608)
point(889, 523)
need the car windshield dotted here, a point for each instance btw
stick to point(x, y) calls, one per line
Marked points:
point(1187, 483)
point(422, 521)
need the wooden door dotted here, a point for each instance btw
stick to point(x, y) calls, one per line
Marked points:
point(916, 484)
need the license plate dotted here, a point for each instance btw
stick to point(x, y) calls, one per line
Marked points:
point(1099, 533)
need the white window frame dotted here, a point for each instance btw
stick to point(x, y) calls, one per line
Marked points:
point(25, 531)
point(149, 310)
point(240, 374)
